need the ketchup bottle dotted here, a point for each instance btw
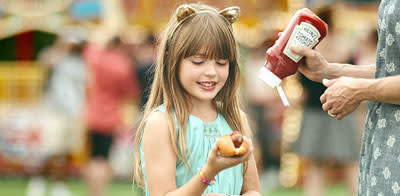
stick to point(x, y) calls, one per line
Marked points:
point(304, 29)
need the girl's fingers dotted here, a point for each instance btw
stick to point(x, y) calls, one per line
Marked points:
point(245, 156)
point(249, 142)
point(251, 148)
point(214, 149)
point(237, 138)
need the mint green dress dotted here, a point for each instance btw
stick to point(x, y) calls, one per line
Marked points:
point(200, 138)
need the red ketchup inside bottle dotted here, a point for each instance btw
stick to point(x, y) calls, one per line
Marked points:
point(305, 29)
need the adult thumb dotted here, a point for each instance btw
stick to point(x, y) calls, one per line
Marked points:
point(304, 51)
point(327, 82)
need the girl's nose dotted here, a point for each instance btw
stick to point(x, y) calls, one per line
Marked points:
point(211, 69)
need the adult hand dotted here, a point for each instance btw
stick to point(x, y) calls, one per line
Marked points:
point(341, 96)
point(216, 162)
point(314, 66)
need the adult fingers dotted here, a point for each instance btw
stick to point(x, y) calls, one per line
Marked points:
point(340, 116)
point(323, 98)
point(327, 82)
point(332, 114)
point(344, 113)
point(303, 51)
point(327, 106)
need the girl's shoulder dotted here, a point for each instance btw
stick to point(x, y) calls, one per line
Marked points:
point(158, 115)
point(156, 126)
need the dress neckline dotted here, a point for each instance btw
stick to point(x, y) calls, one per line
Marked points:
point(202, 121)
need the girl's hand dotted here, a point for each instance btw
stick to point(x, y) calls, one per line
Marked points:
point(315, 64)
point(216, 162)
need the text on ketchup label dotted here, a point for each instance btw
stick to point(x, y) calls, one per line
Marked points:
point(304, 35)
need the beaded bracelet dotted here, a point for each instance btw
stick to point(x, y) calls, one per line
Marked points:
point(204, 179)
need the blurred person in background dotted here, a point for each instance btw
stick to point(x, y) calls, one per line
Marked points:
point(322, 139)
point(266, 116)
point(64, 97)
point(67, 74)
point(145, 57)
point(349, 85)
point(366, 49)
point(111, 86)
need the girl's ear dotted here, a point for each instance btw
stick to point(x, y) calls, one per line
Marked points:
point(183, 11)
point(231, 13)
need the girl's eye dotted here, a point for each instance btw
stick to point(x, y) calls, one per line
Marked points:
point(221, 62)
point(197, 62)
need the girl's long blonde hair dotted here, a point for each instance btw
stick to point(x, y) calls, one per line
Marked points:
point(205, 30)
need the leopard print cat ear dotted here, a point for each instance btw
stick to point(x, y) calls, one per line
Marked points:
point(183, 11)
point(231, 13)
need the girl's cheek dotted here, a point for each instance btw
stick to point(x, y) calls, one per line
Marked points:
point(224, 72)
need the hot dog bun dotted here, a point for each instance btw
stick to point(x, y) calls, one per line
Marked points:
point(228, 148)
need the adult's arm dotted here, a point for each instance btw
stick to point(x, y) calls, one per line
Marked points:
point(317, 68)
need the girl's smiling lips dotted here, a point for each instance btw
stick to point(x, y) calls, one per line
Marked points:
point(207, 85)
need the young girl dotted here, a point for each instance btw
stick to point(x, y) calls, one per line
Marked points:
point(193, 101)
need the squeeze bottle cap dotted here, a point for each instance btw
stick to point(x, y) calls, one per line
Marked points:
point(268, 77)
point(273, 81)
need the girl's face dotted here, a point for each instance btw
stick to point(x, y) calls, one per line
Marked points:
point(203, 78)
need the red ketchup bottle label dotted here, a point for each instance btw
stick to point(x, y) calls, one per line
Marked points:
point(305, 29)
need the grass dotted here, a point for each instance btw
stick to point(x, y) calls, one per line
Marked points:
point(10, 186)
point(17, 187)
point(333, 190)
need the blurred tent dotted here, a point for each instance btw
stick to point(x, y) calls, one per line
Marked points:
point(331, 2)
point(260, 19)
point(362, 1)
point(86, 10)
point(21, 16)
point(27, 27)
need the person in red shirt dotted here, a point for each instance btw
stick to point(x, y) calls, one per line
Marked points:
point(111, 83)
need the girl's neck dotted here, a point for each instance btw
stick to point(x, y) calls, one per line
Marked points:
point(205, 111)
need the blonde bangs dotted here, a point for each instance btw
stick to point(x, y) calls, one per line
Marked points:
point(207, 34)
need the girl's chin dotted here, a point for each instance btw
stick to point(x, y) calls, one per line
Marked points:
point(205, 98)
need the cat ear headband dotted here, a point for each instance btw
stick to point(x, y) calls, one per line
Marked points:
point(230, 14)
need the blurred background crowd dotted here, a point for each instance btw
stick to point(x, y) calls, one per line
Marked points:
point(70, 67)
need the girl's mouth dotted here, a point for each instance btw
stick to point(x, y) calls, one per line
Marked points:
point(207, 85)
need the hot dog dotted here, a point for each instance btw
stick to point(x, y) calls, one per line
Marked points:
point(228, 148)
